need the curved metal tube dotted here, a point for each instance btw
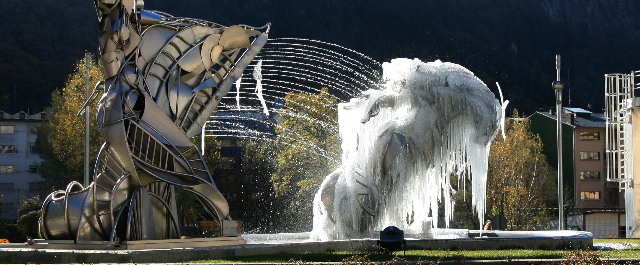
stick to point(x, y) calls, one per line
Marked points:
point(66, 204)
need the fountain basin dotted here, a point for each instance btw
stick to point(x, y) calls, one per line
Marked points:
point(291, 243)
point(453, 239)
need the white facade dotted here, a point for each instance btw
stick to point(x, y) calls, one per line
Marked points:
point(18, 159)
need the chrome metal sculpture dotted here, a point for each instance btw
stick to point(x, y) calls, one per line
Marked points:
point(164, 76)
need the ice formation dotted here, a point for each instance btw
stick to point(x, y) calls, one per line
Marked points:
point(257, 75)
point(401, 146)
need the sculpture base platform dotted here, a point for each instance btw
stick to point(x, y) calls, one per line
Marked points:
point(138, 245)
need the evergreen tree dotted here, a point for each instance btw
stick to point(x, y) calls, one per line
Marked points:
point(29, 213)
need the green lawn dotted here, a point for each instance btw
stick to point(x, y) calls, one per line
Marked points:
point(441, 255)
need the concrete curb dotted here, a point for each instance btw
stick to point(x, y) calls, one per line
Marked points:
point(24, 254)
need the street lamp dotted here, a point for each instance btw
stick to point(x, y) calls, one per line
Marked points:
point(558, 86)
point(84, 111)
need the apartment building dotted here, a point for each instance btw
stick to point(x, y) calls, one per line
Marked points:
point(18, 159)
point(594, 204)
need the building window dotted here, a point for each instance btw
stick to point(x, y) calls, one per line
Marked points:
point(7, 129)
point(589, 136)
point(8, 149)
point(6, 169)
point(6, 186)
point(611, 184)
point(589, 155)
point(590, 195)
point(33, 129)
point(33, 186)
point(7, 207)
point(33, 169)
point(590, 175)
point(33, 150)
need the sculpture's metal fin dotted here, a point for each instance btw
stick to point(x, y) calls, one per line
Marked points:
point(213, 200)
point(161, 157)
point(368, 200)
point(173, 177)
point(397, 144)
point(150, 225)
point(149, 18)
point(202, 103)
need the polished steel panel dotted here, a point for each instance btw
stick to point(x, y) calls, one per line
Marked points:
point(164, 76)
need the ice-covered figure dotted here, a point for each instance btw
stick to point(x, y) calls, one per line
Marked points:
point(400, 147)
point(164, 76)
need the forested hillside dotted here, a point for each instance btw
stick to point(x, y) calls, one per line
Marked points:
point(510, 42)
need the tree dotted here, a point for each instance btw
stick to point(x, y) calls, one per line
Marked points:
point(261, 211)
point(29, 213)
point(520, 183)
point(60, 141)
point(310, 141)
point(305, 150)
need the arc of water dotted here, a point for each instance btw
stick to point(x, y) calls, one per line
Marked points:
point(246, 132)
point(340, 85)
point(358, 70)
point(329, 51)
point(332, 126)
point(332, 74)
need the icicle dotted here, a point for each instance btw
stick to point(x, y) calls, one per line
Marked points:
point(237, 83)
point(257, 75)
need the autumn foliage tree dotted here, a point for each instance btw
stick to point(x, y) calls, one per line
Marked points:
point(305, 150)
point(60, 141)
point(520, 182)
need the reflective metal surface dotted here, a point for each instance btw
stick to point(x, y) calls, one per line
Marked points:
point(164, 76)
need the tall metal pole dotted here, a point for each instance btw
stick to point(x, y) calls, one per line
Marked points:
point(558, 86)
point(86, 121)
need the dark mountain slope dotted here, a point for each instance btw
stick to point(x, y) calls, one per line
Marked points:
point(511, 42)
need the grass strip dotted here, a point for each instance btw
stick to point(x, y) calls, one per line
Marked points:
point(632, 250)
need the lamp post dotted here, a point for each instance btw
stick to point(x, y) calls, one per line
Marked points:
point(86, 120)
point(558, 86)
point(84, 111)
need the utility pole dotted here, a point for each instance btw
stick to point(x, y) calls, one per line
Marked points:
point(558, 86)
point(87, 125)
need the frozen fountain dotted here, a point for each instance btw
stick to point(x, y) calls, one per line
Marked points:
point(400, 146)
point(403, 144)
